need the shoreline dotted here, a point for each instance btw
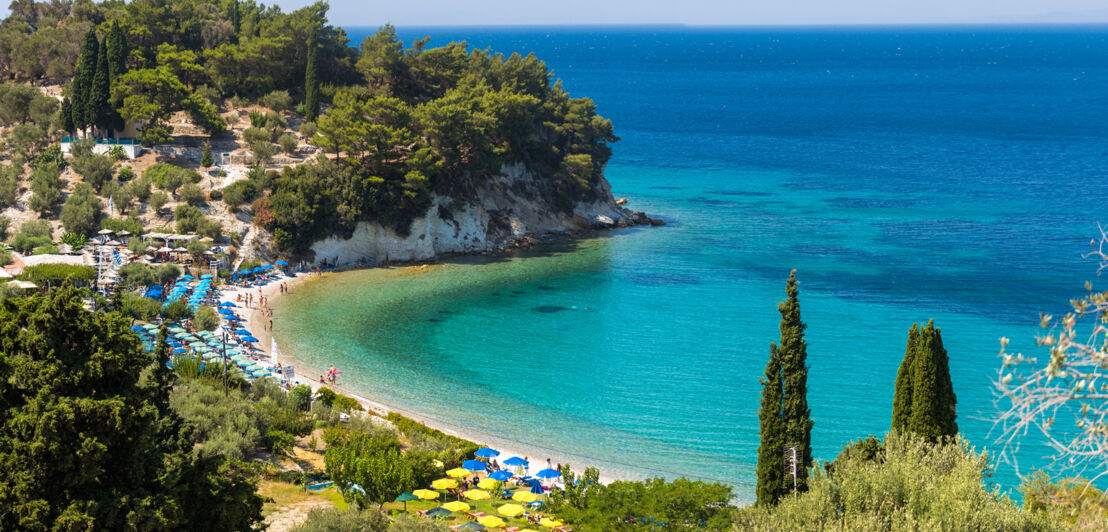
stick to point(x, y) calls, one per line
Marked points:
point(305, 373)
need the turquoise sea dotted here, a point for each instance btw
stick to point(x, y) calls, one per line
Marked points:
point(907, 173)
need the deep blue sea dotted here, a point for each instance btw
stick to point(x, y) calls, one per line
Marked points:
point(907, 173)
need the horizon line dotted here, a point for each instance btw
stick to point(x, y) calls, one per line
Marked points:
point(765, 25)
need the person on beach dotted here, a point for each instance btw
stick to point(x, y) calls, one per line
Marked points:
point(321, 381)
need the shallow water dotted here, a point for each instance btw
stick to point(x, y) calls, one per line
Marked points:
point(907, 173)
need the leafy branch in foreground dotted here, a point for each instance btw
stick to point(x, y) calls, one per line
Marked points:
point(1072, 385)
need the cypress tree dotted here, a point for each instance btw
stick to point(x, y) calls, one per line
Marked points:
point(67, 115)
point(902, 396)
point(771, 459)
point(933, 403)
point(117, 53)
point(311, 83)
point(924, 402)
point(206, 159)
point(234, 16)
point(83, 79)
point(794, 370)
point(99, 95)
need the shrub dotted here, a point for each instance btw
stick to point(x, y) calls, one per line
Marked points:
point(131, 225)
point(46, 185)
point(255, 134)
point(82, 210)
point(288, 143)
point(205, 318)
point(140, 188)
point(276, 100)
point(192, 194)
point(52, 274)
point(37, 228)
point(170, 177)
point(125, 174)
point(226, 425)
point(187, 218)
point(166, 273)
point(116, 153)
point(133, 304)
point(176, 310)
point(10, 176)
point(96, 169)
point(215, 194)
point(5, 223)
point(158, 200)
point(335, 520)
point(238, 193)
point(210, 228)
point(25, 244)
point(137, 274)
point(5, 257)
point(301, 397)
point(308, 130)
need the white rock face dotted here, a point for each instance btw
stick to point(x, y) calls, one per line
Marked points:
point(509, 208)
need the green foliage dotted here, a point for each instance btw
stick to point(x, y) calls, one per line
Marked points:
point(1074, 502)
point(131, 225)
point(125, 174)
point(227, 426)
point(308, 130)
point(288, 143)
point(311, 81)
point(192, 194)
point(300, 397)
point(152, 95)
point(206, 158)
point(57, 274)
point(96, 169)
point(81, 90)
point(37, 228)
point(681, 505)
point(916, 486)
point(278, 100)
point(176, 310)
point(924, 402)
point(373, 463)
point(335, 520)
point(329, 398)
point(167, 272)
point(5, 259)
point(82, 211)
point(137, 274)
point(46, 186)
point(238, 193)
point(158, 200)
point(187, 218)
point(205, 318)
point(263, 151)
point(5, 223)
point(10, 177)
point(452, 451)
point(87, 443)
point(75, 240)
point(132, 304)
point(785, 419)
point(170, 177)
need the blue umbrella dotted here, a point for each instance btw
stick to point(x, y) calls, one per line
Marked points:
point(233, 318)
point(227, 304)
point(246, 272)
point(282, 263)
point(501, 475)
point(226, 311)
point(536, 488)
point(242, 332)
point(487, 453)
point(548, 473)
point(515, 461)
point(266, 266)
point(137, 328)
point(474, 465)
point(249, 339)
point(179, 351)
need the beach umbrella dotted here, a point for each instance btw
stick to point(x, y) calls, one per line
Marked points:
point(515, 461)
point(282, 263)
point(457, 472)
point(444, 484)
point(137, 328)
point(179, 351)
point(548, 473)
point(550, 523)
point(426, 494)
point(471, 526)
point(228, 304)
point(477, 495)
point(510, 510)
point(226, 312)
point(525, 496)
point(266, 266)
point(501, 475)
point(474, 465)
point(232, 318)
point(456, 506)
point(206, 276)
point(250, 339)
point(404, 498)
point(488, 484)
point(491, 521)
point(246, 272)
point(536, 488)
point(438, 511)
point(487, 453)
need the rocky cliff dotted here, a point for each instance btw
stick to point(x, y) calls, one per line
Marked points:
point(503, 212)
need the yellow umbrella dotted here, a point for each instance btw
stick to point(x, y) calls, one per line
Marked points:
point(476, 495)
point(456, 506)
point(445, 483)
point(488, 484)
point(491, 521)
point(550, 523)
point(426, 494)
point(458, 472)
point(525, 496)
point(510, 510)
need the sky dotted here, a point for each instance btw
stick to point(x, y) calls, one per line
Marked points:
point(705, 12)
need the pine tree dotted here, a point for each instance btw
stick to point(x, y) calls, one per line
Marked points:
point(771, 459)
point(794, 369)
point(234, 16)
point(902, 396)
point(924, 402)
point(311, 83)
point(67, 115)
point(83, 79)
point(206, 159)
point(117, 53)
point(100, 93)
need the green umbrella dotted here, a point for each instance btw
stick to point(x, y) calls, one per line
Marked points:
point(405, 497)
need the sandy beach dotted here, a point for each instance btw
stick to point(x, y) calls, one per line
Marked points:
point(309, 374)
